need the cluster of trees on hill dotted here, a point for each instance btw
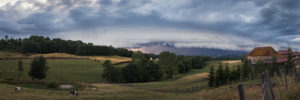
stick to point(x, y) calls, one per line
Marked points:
point(223, 76)
point(247, 71)
point(40, 44)
point(142, 69)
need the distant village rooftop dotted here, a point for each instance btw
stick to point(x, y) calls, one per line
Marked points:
point(266, 54)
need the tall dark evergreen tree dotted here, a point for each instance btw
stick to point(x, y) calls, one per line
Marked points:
point(211, 77)
point(220, 76)
point(233, 75)
point(289, 65)
point(238, 73)
point(246, 70)
point(226, 74)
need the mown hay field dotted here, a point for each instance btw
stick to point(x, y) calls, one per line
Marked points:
point(14, 55)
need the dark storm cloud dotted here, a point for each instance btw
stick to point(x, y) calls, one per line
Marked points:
point(259, 21)
point(281, 18)
point(39, 23)
point(7, 27)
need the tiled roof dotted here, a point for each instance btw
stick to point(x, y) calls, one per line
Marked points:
point(263, 51)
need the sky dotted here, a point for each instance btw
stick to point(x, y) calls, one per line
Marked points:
point(221, 24)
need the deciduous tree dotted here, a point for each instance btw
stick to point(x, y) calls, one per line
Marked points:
point(38, 68)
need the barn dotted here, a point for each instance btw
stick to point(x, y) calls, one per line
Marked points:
point(265, 54)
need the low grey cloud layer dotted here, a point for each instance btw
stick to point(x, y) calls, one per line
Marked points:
point(224, 24)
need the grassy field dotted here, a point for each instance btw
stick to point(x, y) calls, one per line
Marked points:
point(189, 86)
point(82, 70)
point(126, 92)
point(90, 71)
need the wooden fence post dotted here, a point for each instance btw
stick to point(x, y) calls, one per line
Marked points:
point(241, 92)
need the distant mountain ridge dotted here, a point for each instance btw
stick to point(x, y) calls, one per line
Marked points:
point(157, 47)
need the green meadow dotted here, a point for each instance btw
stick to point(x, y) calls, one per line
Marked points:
point(65, 70)
point(188, 86)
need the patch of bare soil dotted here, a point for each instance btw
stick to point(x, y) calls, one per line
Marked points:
point(195, 76)
point(232, 61)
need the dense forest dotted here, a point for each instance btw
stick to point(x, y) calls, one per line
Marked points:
point(40, 44)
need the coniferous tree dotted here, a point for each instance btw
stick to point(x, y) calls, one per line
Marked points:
point(238, 73)
point(227, 74)
point(289, 65)
point(219, 75)
point(211, 77)
point(233, 75)
point(246, 70)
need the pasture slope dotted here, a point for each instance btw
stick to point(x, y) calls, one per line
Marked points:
point(14, 56)
point(189, 86)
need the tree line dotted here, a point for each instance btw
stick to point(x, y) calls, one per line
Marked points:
point(143, 69)
point(40, 44)
point(223, 76)
point(247, 71)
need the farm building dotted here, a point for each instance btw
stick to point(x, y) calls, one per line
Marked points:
point(265, 54)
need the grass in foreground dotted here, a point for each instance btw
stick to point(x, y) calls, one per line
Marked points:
point(90, 71)
point(128, 92)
